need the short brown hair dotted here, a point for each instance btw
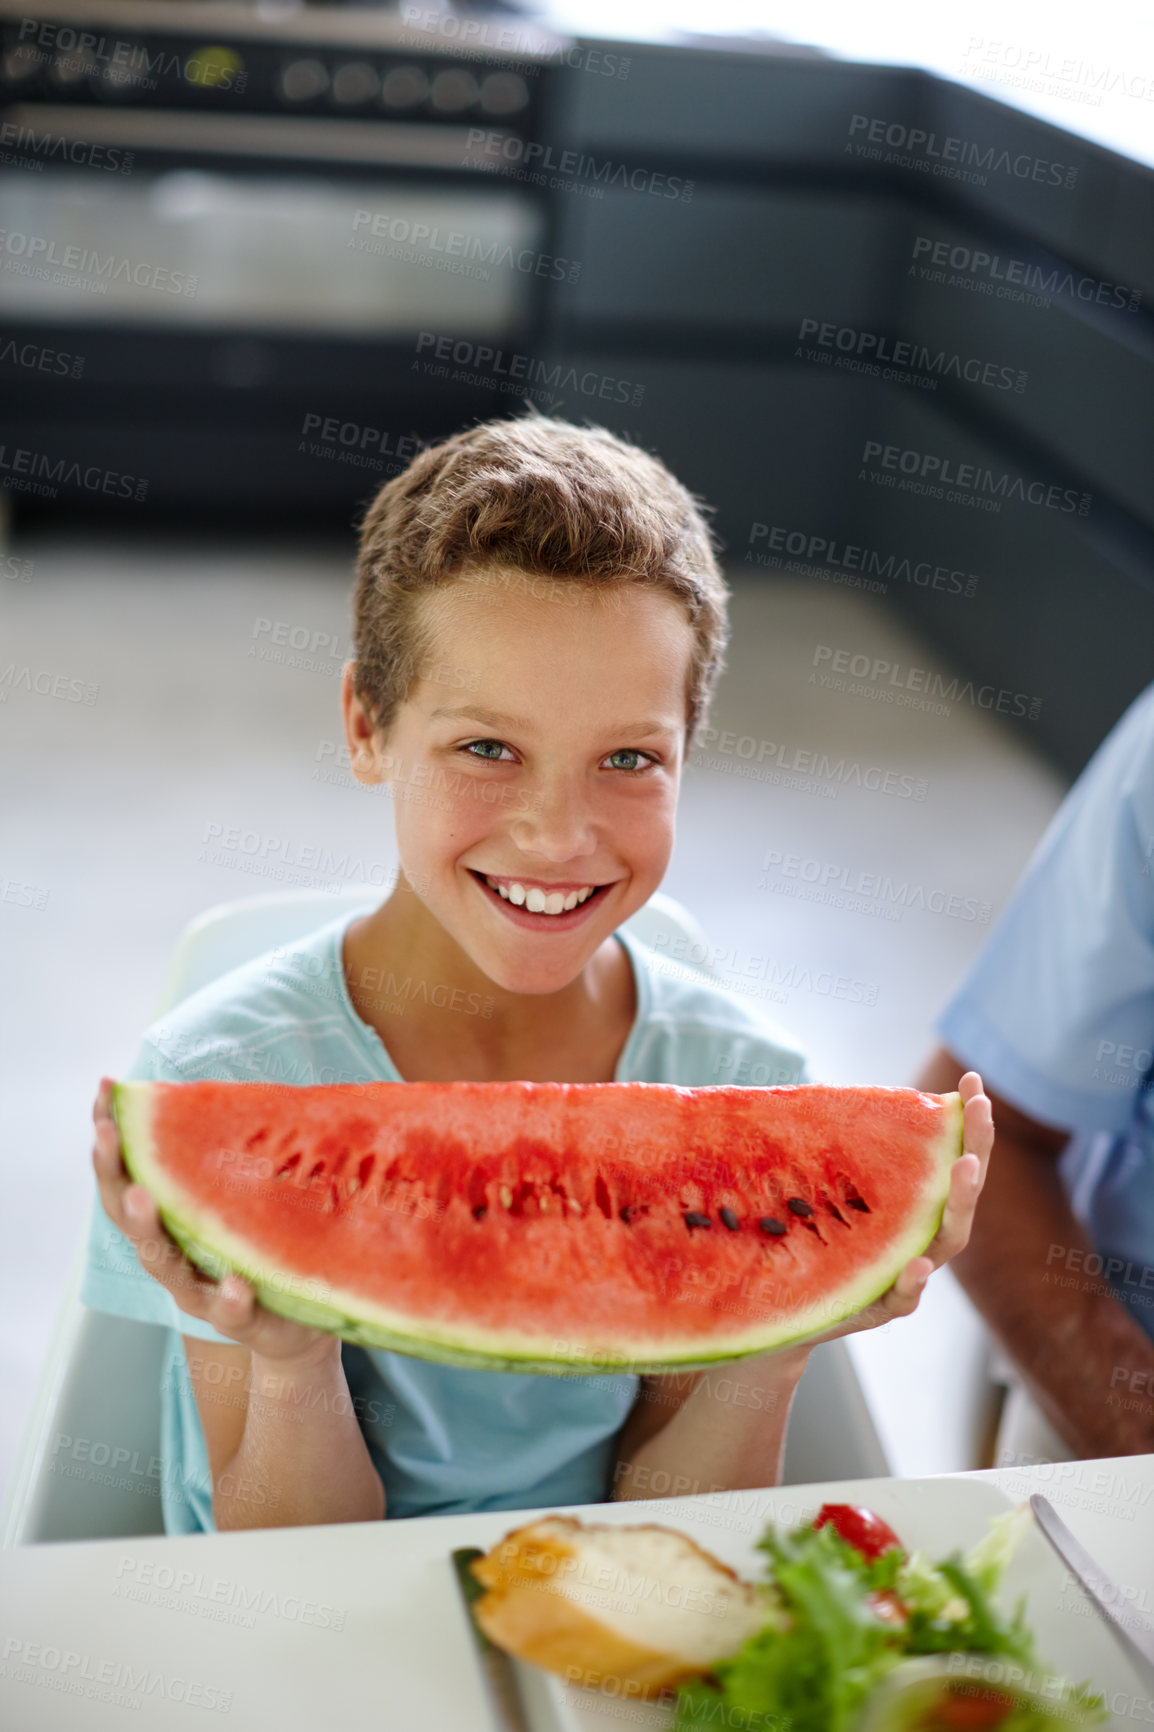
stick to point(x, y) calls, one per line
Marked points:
point(539, 496)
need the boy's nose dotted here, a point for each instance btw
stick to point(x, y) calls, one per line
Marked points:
point(558, 827)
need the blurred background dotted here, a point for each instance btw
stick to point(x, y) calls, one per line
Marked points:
point(880, 295)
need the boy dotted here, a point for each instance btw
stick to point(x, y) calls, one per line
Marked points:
point(573, 579)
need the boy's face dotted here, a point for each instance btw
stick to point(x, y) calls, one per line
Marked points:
point(540, 746)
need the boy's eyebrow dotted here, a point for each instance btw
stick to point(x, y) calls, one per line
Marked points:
point(495, 719)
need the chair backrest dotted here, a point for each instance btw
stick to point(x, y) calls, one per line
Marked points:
point(223, 937)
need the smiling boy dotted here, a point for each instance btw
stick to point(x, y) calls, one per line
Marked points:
point(573, 579)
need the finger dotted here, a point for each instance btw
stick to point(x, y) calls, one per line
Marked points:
point(142, 1213)
point(108, 1165)
point(102, 1106)
point(958, 1215)
point(897, 1301)
point(902, 1298)
point(978, 1125)
point(910, 1284)
point(105, 1146)
point(233, 1309)
point(132, 1209)
point(160, 1255)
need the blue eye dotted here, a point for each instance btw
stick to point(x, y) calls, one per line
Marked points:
point(629, 752)
point(489, 751)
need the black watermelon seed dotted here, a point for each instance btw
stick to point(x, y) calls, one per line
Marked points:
point(693, 1219)
point(859, 1203)
point(775, 1228)
point(799, 1206)
point(479, 1211)
point(627, 1212)
point(730, 1220)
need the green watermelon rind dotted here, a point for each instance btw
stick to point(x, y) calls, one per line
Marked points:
point(131, 1106)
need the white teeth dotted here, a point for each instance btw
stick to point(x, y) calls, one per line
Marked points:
point(538, 901)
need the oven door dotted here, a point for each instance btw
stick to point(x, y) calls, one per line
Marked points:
point(260, 310)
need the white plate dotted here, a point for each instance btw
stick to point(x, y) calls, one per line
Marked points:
point(937, 1516)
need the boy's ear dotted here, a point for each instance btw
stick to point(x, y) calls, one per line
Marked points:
point(367, 758)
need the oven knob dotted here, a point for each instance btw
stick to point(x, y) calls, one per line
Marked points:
point(21, 62)
point(70, 68)
point(303, 80)
point(504, 93)
point(404, 87)
point(355, 82)
point(453, 90)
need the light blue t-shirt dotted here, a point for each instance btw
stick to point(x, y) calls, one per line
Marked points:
point(1058, 1012)
point(442, 1438)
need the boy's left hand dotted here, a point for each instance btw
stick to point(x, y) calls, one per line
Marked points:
point(966, 1181)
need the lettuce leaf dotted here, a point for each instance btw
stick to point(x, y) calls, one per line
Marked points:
point(816, 1673)
point(986, 1562)
point(934, 1599)
point(823, 1649)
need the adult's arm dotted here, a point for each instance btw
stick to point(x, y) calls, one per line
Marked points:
point(1085, 1360)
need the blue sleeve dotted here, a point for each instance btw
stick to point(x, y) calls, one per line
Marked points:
point(1058, 1012)
point(113, 1278)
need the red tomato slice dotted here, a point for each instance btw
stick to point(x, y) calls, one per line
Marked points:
point(860, 1527)
point(958, 1714)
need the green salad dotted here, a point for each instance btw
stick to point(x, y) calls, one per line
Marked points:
point(861, 1636)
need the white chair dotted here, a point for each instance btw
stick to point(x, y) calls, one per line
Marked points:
point(101, 1376)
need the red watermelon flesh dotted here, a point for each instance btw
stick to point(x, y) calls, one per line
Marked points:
point(536, 1226)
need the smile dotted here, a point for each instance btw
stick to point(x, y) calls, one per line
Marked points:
point(533, 905)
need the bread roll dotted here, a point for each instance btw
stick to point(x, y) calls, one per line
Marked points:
point(632, 1609)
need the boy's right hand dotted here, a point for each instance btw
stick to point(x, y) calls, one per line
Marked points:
point(230, 1306)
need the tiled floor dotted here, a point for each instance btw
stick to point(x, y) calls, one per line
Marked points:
point(193, 728)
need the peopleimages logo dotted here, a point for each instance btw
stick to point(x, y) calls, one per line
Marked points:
point(350, 442)
point(118, 1683)
point(456, 248)
point(880, 674)
point(862, 892)
point(816, 553)
point(40, 358)
point(81, 267)
point(1016, 276)
point(130, 61)
point(953, 158)
point(45, 146)
point(55, 472)
point(488, 365)
point(927, 473)
point(875, 349)
point(479, 39)
point(814, 768)
point(1041, 69)
point(532, 158)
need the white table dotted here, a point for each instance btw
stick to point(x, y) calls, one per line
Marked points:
point(357, 1625)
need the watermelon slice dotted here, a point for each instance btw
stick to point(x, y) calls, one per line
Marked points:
point(550, 1227)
